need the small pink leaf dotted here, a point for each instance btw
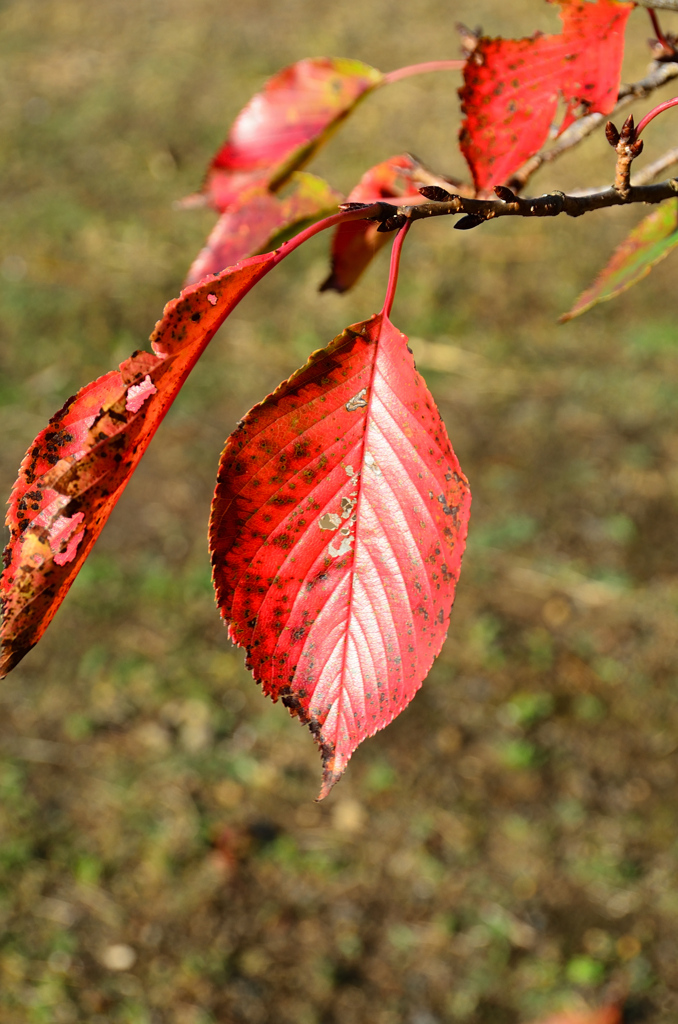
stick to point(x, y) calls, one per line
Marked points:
point(258, 217)
point(337, 530)
point(648, 244)
point(512, 86)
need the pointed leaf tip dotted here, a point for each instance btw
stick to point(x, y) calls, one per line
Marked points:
point(337, 531)
point(646, 246)
point(77, 468)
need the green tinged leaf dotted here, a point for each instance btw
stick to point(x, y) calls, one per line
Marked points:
point(647, 245)
point(283, 126)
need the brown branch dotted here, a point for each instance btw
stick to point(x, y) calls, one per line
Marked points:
point(476, 211)
point(660, 73)
point(661, 5)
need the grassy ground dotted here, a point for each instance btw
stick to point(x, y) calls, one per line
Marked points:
point(508, 846)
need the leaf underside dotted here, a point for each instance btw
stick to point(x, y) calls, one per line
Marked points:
point(648, 244)
point(356, 243)
point(258, 218)
point(512, 86)
point(282, 126)
point(338, 526)
point(76, 469)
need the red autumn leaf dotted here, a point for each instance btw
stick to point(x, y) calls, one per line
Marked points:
point(281, 127)
point(257, 217)
point(77, 468)
point(337, 530)
point(649, 243)
point(356, 242)
point(512, 86)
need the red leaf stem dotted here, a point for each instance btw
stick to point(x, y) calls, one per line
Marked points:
point(394, 269)
point(423, 69)
point(257, 217)
point(661, 38)
point(653, 113)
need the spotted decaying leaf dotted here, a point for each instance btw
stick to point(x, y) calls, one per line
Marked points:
point(337, 531)
point(356, 243)
point(512, 86)
point(76, 469)
point(258, 217)
point(649, 243)
point(281, 127)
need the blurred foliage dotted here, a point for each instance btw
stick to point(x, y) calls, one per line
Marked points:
point(508, 846)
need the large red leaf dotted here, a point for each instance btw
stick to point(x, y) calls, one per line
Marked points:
point(76, 469)
point(258, 216)
point(357, 242)
point(338, 526)
point(512, 86)
point(649, 243)
point(281, 127)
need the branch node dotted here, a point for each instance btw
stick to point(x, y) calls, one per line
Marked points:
point(390, 218)
point(555, 202)
point(628, 147)
point(393, 223)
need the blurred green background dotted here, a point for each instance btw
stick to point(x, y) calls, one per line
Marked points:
point(508, 846)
